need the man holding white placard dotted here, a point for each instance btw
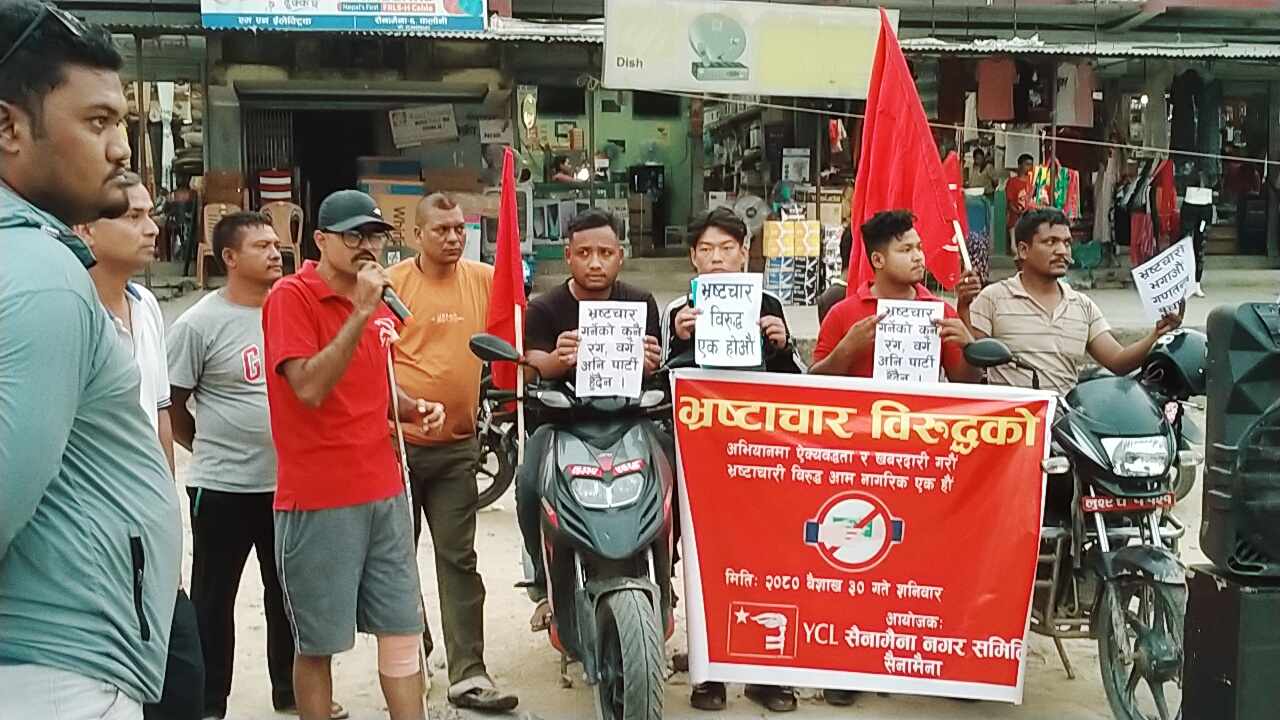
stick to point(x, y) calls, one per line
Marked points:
point(1045, 322)
point(729, 320)
point(847, 341)
point(719, 248)
point(552, 342)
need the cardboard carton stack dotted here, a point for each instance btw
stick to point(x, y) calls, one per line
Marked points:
point(396, 185)
point(791, 260)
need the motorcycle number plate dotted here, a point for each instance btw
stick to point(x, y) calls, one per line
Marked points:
point(1102, 504)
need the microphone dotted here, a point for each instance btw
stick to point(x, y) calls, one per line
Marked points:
point(395, 304)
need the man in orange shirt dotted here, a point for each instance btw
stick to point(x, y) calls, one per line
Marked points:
point(449, 299)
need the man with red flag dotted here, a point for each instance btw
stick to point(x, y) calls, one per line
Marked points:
point(900, 169)
point(449, 298)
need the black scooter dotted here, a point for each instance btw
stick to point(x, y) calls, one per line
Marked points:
point(607, 537)
point(1109, 566)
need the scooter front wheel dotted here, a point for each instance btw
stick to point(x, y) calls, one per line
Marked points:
point(1140, 647)
point(632, 662)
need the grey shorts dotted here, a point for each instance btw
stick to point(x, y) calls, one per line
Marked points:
point(348, 569)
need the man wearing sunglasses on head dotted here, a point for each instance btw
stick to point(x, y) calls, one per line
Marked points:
point(90, 534)
point(343, 526)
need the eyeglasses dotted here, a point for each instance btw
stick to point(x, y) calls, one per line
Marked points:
point(72, 24)
point(353, 239)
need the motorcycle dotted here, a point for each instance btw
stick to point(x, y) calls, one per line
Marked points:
point(1108, 564)
point(495, 428)
point(606, 488)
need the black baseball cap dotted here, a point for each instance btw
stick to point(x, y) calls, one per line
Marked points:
point(348, 210)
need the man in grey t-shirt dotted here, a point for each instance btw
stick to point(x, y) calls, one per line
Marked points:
point(216, 362)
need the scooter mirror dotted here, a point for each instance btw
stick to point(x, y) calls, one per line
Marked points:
point(492, 348)
point(987, 353)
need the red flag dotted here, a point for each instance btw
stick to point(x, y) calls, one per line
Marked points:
point(508, 277)
point(899, 168)
point(955, 183)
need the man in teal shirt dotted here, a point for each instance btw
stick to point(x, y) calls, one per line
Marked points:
point(90, 535)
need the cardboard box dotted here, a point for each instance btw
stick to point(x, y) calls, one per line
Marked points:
point(453, 180)
point(389, 166)
point(779, 239)
point(808, 238)
point(398, 200)
point(829, 214)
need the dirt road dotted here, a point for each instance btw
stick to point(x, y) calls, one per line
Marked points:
point(525, 662)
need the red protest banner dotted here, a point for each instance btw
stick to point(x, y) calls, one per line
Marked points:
point(846, 533)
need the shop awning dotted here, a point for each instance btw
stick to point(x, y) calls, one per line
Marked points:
point(1104, 49)
point(329, 94)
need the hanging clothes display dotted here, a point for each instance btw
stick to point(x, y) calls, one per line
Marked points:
point(1166, 204)
point(1032, 94)
point(955, 79)
point(1073, 103)
point(1197, 217)
point(1103, 190)
point(995, 89)
point(1209, 131)
point(978, 211)
point(1056, 186)
point(1021, 140)
point(1142, 241)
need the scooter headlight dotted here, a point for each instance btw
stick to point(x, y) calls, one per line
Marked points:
point(600, 495)
point(1138, 457)
point(626, 489)
point(590, 492)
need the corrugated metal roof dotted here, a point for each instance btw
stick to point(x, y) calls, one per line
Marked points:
point(1035, 46)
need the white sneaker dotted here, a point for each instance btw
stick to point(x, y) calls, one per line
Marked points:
point(1197, 291)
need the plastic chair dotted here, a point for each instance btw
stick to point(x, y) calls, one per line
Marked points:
point(287, 220)
point(213, 212)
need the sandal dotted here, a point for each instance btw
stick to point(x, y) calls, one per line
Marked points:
point(479, 693)
point(337, 712)
point(773, 697)
point(541, 619)
point(707, 696)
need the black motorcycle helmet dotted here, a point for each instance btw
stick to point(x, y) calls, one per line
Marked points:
point(1177, 363)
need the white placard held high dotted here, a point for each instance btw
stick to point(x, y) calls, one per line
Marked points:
point(727, 332)
point(1165, 280)
point(610, 348)
point(908, 347)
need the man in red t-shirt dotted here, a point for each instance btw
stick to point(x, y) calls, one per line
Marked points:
point(847, 339)
point(343, 528)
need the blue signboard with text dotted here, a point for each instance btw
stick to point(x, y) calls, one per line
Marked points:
point(339, 15)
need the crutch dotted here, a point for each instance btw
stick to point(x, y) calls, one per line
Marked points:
point(408, 496)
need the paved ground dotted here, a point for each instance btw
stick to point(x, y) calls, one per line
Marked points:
point(524, 662)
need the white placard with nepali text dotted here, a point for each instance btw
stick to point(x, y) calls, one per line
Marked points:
point(1165, 280)
point(727, 332)
point(908, 347)
point(610, 348)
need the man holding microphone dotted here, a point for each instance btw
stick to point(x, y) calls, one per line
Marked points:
point(344, 530)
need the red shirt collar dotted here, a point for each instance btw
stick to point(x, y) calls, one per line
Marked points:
point(312, 280)
point(864, 292)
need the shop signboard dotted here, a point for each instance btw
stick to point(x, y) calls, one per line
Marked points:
point(856, 534)
point(753, 48)
point(332, 15)
point(420, 124)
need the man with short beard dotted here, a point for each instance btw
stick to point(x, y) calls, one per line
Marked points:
point(90, 535)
